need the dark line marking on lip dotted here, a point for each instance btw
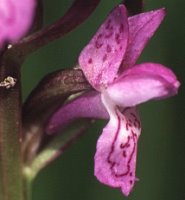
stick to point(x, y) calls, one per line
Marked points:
point(122, 146)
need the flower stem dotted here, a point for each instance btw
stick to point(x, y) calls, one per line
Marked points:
point(27, 188)
point(11, 187)
point(56, 147)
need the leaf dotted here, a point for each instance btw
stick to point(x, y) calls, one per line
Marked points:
point(51, 92)
point(44, 100)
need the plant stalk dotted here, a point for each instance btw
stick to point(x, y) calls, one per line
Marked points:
point(11, 184)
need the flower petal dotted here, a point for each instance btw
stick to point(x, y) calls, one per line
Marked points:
point(115, 159)
point(88, 105)
point(141, 29)
point(15, 19)
point(142, 83)
point(101, 58)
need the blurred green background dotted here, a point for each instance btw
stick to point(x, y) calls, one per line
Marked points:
point(161, 151)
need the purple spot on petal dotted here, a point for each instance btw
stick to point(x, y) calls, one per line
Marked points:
point(108, 24)
point(131, 174)
point(90, 60)
point(117, 38)
point(98, 44)
point(109, 49)
point(104, 57)
point(111, 28)
point(136, 121)
point(128, 145)
point(100, 35)
point(124, 154)
point(131, 182)
point(121, 28)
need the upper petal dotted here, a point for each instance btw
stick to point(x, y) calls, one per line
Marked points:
point(115, 159)
point(142, 83)
point(101, 58)
point(141, 29)
point(88, 105)
point(15, 19)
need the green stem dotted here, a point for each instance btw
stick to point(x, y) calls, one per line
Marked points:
point(56, 147)
point(11, 187)
point(27, 188)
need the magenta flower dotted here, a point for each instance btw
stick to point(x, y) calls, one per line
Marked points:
point(108, 62)
point(15, 19)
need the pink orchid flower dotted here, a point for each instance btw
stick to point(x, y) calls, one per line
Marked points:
point(15, 19)
point(108, 62)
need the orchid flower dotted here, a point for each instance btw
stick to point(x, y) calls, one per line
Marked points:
point(15, 19)
point(109, 64)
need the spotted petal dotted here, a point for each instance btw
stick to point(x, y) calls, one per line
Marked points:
point(101, 58)
point(15, 19)
point(141, 29)
point(88, 105)
point(142, 83)
point(115, 159)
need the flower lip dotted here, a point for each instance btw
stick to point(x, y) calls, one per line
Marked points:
point(115, 159)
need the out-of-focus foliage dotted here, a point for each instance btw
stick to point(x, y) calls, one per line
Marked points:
point(161, 151)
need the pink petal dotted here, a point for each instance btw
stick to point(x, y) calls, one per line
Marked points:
point(101, 58)
point(88, 105)
point(141, 29)
point(142, 83)
point(15, 19)
point(115, 159)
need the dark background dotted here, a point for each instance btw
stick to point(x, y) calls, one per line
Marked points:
point(161, 151)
